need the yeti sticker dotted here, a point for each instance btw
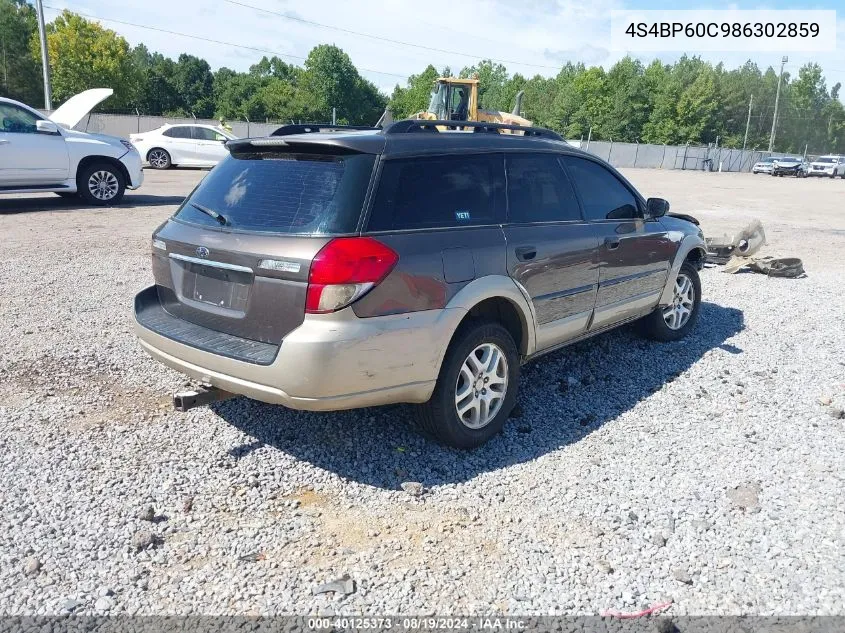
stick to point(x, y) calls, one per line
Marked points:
point(462, 216)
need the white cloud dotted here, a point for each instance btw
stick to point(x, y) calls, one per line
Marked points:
point(536, 36)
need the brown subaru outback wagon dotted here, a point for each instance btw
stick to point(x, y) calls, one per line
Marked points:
point(351, 268)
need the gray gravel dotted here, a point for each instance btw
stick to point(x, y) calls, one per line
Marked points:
point(709, 472)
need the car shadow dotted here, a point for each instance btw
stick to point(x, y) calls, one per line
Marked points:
point(563, 397)
point(11, 206)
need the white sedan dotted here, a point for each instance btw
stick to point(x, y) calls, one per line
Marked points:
point(189, 145)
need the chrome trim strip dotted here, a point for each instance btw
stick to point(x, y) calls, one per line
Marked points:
point(205, 262)
point(565, 293)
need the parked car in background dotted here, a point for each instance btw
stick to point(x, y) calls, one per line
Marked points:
point(789, 166)
point(188, 145)
point(830, 166)
point(328, 271)
point(40, 154)
point(764, 165)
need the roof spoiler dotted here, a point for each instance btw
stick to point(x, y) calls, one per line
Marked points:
point(407, 126)
point(306, 128)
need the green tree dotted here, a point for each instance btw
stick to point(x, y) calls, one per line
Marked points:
point(20, 72)
point(414, 97)
point(628, 101)
point(84, 55)
point(194, 83)
point(492, 78)
point(331, 81)
point(157, 93)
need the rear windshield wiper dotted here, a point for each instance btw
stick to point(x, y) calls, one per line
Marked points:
point(217, 216)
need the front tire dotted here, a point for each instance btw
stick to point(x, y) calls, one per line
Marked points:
point(674, 322)
point(159, 158)
point(476, 388)
point(101, 184)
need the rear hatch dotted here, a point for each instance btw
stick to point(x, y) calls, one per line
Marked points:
point(235, 257)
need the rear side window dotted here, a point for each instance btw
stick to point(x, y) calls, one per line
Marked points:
point(178, 132)
point(439, 192)
point(538, 190)
point(603, 195)
point(298, 194)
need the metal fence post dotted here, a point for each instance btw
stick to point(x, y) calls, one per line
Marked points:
point(684, 164)
point(663, 158)
point(636, 152)
point(610, 151)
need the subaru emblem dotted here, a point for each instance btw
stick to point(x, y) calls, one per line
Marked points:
point(202, 252)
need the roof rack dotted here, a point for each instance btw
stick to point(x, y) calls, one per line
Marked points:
point(306, 128)
point(407, 126)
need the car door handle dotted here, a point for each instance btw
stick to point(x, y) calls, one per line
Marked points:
point(4, 141)
point(525, 253)
point(612, 243)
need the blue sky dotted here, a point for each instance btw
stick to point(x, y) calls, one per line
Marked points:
point(533, 36)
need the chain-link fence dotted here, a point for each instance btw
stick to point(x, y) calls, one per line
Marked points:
point(690, 157)
point(644, 155)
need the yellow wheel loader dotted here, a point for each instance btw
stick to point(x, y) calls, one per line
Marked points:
point(455, 99)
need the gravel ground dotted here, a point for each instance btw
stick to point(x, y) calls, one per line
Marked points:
point(709, 472)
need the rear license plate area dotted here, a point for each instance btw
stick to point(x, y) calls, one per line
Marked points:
point(227, 289)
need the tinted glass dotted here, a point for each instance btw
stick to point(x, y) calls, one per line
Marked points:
point(443, 191)
point(206, 134)
point(283, 193)
point(603, 195)
point(178, 132)
point(826, 160)
point(539, 191)
point(15, 120)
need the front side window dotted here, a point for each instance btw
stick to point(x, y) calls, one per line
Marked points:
point(603, 195)
point(538, 190)
point(439, 192)
point(207, 134)
point(15, 120)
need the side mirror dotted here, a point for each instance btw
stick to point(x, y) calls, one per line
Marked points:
point(46, 127)
point(656, 208)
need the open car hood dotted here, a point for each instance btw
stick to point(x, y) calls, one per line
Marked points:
point(74, 109)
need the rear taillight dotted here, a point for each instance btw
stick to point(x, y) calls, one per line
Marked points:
point(344, 270)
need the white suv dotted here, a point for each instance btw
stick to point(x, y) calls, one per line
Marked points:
point(830, 166)
point(39, 154)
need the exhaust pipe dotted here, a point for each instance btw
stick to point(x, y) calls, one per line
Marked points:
point(517, 107)
point(186, 400)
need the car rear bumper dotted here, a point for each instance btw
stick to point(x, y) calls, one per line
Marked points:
point(331, 361)
point(132, 162)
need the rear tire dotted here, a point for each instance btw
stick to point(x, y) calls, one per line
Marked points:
point(674, 322)
point(482, 362)
point(101, 184)
point(159, 158)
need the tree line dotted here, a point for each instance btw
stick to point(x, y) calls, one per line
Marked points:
point(690, 100)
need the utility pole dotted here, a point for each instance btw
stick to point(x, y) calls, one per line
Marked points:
point(747, 123)
point(45, 62)
point(783, 60)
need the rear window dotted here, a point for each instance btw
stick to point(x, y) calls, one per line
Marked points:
point(299, 194)
point(439, 192)
point(826, 159)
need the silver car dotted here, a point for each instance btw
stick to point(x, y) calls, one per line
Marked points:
point(764, 165)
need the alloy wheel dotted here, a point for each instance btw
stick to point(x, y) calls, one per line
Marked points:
point(103, 185)
point(481, 386)
point(679, 311)
point(158, 158)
